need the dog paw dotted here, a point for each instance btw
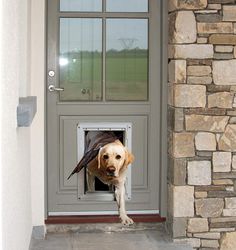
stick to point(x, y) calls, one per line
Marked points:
point(126, 221)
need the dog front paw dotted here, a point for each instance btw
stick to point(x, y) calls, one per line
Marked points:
point(126, 221)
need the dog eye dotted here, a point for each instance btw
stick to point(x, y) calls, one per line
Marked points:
point(105, 157)
point(118, 157)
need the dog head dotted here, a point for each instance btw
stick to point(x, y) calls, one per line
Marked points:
point(114, 157)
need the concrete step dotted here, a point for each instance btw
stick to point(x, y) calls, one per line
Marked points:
point(102, 227)
point(141, 236)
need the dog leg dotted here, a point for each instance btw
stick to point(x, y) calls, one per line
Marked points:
point(120, 199)
point(90, 182)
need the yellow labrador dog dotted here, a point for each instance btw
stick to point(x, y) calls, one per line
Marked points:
point(110, 166)
point(107, 159)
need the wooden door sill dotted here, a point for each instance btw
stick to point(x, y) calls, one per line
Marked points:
point(78, 219)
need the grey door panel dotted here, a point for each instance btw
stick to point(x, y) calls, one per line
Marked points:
point(66, 109)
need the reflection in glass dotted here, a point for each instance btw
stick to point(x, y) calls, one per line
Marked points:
point(81, 5)
point(80, 59)
point(127, 5)
point(127, 59)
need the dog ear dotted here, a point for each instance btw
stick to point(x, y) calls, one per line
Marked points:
point(129, 157)
point(99, 157)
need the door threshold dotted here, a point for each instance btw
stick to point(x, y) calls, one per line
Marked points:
point(102, 213)
point(78, 219)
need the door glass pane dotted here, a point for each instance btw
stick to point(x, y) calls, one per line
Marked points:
point(127, 59)
point(81, 5)
point(80, 59)
point(127, 6)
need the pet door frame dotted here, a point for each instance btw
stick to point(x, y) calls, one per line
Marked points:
point(82, 128)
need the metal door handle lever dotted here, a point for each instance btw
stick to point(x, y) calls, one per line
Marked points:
point(52, 88)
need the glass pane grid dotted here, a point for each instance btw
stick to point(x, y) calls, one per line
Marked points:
point(104, 59)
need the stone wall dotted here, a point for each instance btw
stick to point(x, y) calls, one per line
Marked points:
point(202, 123)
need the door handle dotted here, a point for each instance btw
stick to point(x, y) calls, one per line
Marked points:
point(52, 88)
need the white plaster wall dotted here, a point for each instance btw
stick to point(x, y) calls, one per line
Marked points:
point(37, 128)
point(15, 176)
point(0, 128)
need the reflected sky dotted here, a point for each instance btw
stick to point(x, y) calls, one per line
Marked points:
point(127, 34)
point(80, 34)
point(85, 34)
point(127, 5)
point(81, 5)
point(111, 5)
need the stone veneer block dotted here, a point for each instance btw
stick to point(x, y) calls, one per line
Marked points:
point(228, 241)
point(227, 141)
point(179, 32)
point(223, 182)
point(224, 39)
point(209, 207)
point(199, 172)
point(210, 244)
point(170, 90)
point(194, 51)
point(209, 16)
point(230, 202)
point(200, 194)
point(198, 70)
point(183, 201)
point(177, 71)
point(193, 242)
point(221, 161)
point(205, 141)
point(224, 72)
point(234, 51)
point(206, 123)
point(223, 56)
point(223, 222)
point(179, 119)
point(177, 171)
point(199, 80)
point(192, 5)
point(230, 175)
point(189, 96)
point(229, 13)
point(223, 49)
point(220, 100)
point(227, 229)
point(220, 1)
point(202, 40)
point(183, 145)
point(210, 28)
point(229, 212)
point(198, 225)
point(234, 162)
point(208, 235)
point(214, 6)
point(179, 227)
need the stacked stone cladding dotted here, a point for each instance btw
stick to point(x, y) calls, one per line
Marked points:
point(202, 123)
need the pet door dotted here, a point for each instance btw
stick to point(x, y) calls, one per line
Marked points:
point(102, 192)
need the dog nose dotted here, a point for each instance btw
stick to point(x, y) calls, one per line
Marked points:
point(111, 170)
